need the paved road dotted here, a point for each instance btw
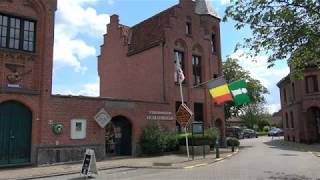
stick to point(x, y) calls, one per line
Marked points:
point(260, 158)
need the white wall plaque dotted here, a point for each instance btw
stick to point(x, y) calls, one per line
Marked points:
point(78, 128)
point(102, 118)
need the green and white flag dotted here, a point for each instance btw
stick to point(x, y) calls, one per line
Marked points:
point(239, 92)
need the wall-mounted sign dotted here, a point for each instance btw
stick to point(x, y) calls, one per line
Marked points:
point(78, 128)
point(102, 118)
point(160, 115)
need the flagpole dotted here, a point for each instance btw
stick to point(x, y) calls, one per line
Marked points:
point(182, 102)
point(206, 82)
point(185, 128)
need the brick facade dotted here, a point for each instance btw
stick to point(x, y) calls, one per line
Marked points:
point(300, 107)
point(136, 78)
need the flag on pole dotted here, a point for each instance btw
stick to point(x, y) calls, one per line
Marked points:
point(219, 90)
point(239, 92)
point(180, 75)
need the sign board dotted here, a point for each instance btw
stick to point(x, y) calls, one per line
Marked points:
point(102, 118)
point(197, 128)
point(184, 115)
point(160, 115)
point(89, 165)
point(78, 128)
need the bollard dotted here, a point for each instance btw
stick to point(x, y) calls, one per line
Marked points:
point(217, 150)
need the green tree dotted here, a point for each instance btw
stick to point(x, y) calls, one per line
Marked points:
point(232, 72)
point(281, 28)
point(255, 114)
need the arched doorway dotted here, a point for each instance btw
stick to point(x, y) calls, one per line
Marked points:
point(314, 123)
point(15, 133)
point(118, 136)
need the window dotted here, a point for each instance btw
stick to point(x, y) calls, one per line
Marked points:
point(285, 95)
point(287, 121)
point(178, 61)
point(3, 30)
point(198, 112)
point(213, 42)
point(17, 33)
point(188, 28)
point(292, 120)
point(196, 67)
point(311, 84)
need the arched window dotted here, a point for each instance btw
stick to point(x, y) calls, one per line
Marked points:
point(213, 42)
point(196, 65)
point(179, 55)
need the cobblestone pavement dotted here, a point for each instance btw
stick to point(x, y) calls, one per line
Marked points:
point(261, 158)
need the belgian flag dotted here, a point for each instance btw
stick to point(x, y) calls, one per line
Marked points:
point(219, 90)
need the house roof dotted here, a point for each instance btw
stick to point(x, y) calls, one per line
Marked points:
point(203, 7)
point(149, 33)
point(285, 79)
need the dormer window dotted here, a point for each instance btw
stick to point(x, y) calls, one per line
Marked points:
point(17, 33)
point(188, 28)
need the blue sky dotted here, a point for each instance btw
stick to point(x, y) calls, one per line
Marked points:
point(79, 29)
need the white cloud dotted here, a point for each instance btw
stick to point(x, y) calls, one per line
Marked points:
point(89, 89)
point(272, 108)
point(269, 77)
point(258, 68)
point(75, 23)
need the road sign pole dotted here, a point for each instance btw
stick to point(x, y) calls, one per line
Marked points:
point(187, 144)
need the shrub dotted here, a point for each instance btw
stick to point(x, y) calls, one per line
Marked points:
point(153, 140)
point(168, 141)
point(233, 142)
point(150, 139)
point(266, 128)
point(213, 135)
point(209, 138)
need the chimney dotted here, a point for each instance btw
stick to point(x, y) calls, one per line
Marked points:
point(114, 19)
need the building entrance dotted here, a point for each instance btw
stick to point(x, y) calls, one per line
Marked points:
point(118, 136)
point(15, 133)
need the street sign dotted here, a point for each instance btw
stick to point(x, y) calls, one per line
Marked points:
point(89, 163)
point(184, 115)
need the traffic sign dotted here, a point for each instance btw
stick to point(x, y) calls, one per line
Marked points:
point(184, 115)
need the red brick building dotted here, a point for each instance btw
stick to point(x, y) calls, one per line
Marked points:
point(139, 62)
point(300, 107)
point(136, 68)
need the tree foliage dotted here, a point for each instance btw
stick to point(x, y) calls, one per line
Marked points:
point(281, 28)
point(232, 72)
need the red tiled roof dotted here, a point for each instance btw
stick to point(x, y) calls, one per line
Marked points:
point(149, 33)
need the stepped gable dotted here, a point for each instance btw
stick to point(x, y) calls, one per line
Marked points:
point(149, 33)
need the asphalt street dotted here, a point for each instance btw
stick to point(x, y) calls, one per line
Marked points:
point(261, 158)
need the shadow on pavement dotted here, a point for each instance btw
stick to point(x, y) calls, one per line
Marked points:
point(284, 176)
point(285, 145)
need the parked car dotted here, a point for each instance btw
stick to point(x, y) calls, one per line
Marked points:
point(249, 133)
point(275, 132)
point(234, 131)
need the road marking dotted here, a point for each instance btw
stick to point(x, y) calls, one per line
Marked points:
point(197, 165)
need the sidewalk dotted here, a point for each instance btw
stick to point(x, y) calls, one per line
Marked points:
point(171, 161)
point(311, 148)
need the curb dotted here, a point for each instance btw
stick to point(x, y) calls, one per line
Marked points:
point(153, 166)
point(214, 161)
